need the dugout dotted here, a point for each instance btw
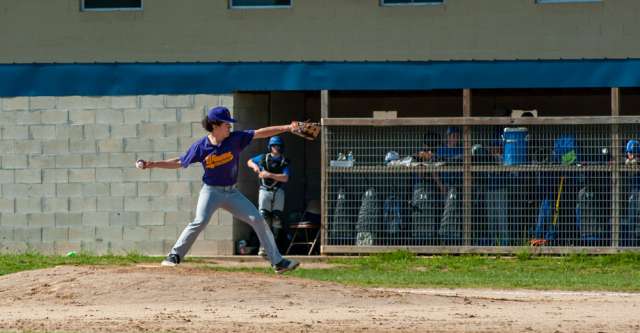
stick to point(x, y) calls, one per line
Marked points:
point(589, 115)
point(257, 109)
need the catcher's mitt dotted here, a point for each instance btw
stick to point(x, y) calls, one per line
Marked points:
point(305, 129)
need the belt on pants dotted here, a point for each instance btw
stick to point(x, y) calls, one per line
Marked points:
point(224, 188)
point(270, 189)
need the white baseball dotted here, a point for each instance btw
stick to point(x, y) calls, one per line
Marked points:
point(139, 164)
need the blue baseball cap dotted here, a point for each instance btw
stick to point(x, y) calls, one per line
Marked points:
point(220, 113)
point(452, 129)
point(633, 147)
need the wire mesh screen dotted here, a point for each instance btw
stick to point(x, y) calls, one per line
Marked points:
point(629, 180)
point(539, 185)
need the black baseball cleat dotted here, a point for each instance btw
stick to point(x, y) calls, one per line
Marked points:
point(285, 265)
point(171, 260)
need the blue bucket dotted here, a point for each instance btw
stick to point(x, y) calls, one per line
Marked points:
point(515, 146)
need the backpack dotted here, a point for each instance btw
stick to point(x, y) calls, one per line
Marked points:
point(367, 218)
point(391, 217)
point(565, 151)
point(451, 221)
point(586, 216)
point(341, 229)
point(630, 227)
point(423, 216)
point(544, 229)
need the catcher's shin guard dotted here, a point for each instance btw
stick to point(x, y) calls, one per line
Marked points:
point(267, 216)
point(276, 225)
point(277, 219)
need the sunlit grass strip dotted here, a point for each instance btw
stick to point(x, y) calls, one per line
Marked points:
point(619, 272)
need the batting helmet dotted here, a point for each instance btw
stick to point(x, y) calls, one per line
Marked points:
point(633, 147)
point(391, 156)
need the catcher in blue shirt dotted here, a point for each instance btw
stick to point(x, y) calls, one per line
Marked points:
point(219, 154)
point(273, 171)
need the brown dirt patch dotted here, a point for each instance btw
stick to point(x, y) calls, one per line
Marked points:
point(188, 299)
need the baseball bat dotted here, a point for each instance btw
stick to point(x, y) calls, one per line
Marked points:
point(557, 211)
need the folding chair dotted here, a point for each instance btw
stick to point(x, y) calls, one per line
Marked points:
point(309, 223)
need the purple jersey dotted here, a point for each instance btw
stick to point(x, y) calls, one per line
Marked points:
point(220, 162)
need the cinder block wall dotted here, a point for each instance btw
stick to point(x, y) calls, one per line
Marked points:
point(68, 180)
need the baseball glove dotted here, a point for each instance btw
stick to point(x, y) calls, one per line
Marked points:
point(305, 129)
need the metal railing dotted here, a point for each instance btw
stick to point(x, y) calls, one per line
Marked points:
point(494, 185)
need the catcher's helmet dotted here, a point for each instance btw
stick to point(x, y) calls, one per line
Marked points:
point(276, 141)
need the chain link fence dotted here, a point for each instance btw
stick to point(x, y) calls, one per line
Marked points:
point(488, 184)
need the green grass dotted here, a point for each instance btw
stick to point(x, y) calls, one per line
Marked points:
point(11, 263)
point(619, 272)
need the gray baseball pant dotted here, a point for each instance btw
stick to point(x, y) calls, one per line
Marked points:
point(230, 199)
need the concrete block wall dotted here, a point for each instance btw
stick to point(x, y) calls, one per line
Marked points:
point(68, 181)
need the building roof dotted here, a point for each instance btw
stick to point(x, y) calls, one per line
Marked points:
point(226, 77)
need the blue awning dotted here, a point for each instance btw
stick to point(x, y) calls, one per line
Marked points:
point(225, 77)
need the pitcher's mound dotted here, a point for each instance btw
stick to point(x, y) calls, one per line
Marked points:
point(188, 299)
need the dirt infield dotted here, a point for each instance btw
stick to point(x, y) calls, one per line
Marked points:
point(187, 299)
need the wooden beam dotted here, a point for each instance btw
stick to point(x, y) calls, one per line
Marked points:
point(432, 167)
point(466, 103)
point(615, 102)
point(342, 249)
point(615, 174)
point(324, 104)
point(461, 121)
point(324, 161)
point(466, 174)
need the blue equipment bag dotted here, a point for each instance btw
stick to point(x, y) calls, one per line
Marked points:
point(565, 151)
